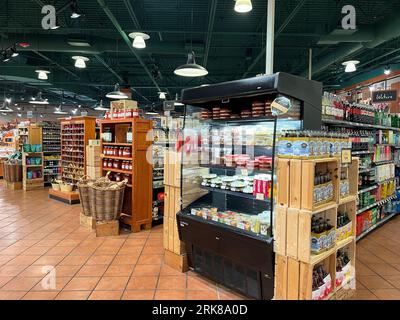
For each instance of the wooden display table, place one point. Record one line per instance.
(66, 197)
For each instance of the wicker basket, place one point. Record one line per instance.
(12, 172)
(66, 187)
(84, 194)
(106, 199)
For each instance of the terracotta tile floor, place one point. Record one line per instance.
(36, 232)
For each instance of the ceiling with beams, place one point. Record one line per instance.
(230, 45)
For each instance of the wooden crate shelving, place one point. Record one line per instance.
(294, 261)
(137, 207)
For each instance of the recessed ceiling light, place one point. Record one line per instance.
(191, 68)
(350, 65)
(139, 39)
(80, 61)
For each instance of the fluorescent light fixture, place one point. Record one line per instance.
(387, 70)
(42, 74)
(243, 6)
(80, 61)
(100, 107)
(191, 68)
(151, 113)
(78, 43)
(117, 94)
(139, 39)
(350, 65)
(162, 95)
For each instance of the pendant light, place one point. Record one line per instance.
(59, 110)
(191, 68)
(243, 6)
(117, 94)
(5, 108)
(56, 25)
(38, 99)
(80, 61)
(100, 107)
(75, 11)
(14, 51)
(350, 65)
(162, 95)
(139, 39)
(387, 70)
(42, 74)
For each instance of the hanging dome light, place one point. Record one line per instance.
(80, 61)
(6, 108)
(387, 70)
(243, 6)
(117, 94)
(56, 25)
(139, 39)
(42, 74)
(100, 107)
(191, 68)
(75, 11)
(59, 110)
(162, 95)
(14, 51)
(38, 99)
(350, 65)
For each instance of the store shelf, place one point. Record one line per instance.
(235, 193)
(215, 166)
(367, 189)
(361, 152)
(32, 165)
(381, 222)
(317, 258)
(116, 158)
(358, 125)
(379, 203)
(117, 144)
(347, 199)
(117, 170)
(366, 170)
(378, 163)
(345, 242)
(385, 181)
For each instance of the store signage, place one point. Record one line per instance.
(169, 105)
(384, 96)
(349, 20)
(49, 20)
(29, 114)
(346, 156)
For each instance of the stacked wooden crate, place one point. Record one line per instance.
(93, 152)
(294, 262)
(175, 254)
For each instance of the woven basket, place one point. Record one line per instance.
(12, 172)
(84, 194)
(106, 199)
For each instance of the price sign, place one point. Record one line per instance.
(260, 196)
(346, 156)
(29, 114)
(384, 96)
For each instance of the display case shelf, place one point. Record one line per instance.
(235, 193)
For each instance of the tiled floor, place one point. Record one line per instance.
(37, 233)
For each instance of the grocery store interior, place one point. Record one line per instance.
(199, 150)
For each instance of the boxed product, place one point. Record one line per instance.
(93, 156)
(344, 232)
(93, 172)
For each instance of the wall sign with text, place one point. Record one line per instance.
(384, 96)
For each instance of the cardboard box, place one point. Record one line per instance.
(93, 156)
(93, 172)
(94, 143)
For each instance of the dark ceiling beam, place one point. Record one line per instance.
(105, 64)
(132, 14)
(40, 3)
(126, 39)
(211, 19)
(285, 23)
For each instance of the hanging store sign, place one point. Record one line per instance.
(384, 96)
(29, 114)
(169, 105)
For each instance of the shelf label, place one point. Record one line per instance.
(245, 172)
(260, 196)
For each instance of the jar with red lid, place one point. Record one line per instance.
(110, 163)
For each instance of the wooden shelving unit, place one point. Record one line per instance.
(51, 133)
(32, 171)
(138, 194)
(75, 134)
(295, 260)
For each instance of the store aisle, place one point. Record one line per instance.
(378, 263)
(36, 231)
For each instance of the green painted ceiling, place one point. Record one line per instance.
(231, 44)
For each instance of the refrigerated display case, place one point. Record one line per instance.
(229, 178)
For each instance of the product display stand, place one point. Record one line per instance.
(125, 159)
(75, 134)
(299, 251)
(32, 159)
(51, 151)
(175, 253)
